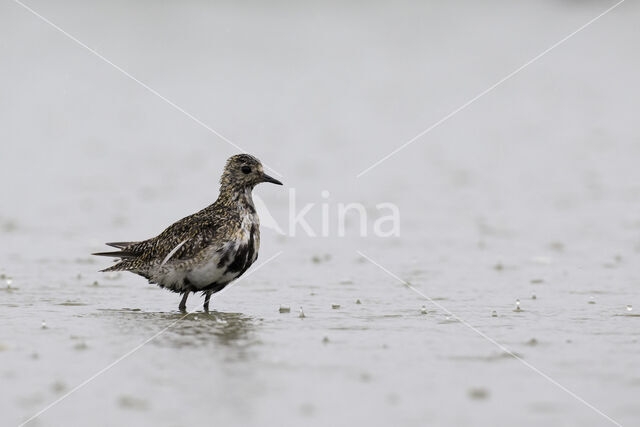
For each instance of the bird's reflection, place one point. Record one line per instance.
(230, 330)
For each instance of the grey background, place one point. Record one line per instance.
(532, 190)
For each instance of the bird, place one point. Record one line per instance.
(207, 250)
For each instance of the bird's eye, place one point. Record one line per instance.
(246, 170)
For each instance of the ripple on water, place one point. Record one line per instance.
(71, 303)
(493, 357)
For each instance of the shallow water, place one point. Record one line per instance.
(531, 194)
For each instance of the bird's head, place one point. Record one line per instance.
(244, 171)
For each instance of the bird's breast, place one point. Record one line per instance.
(226, 263)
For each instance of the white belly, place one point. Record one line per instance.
(203, 275)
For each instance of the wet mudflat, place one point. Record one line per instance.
(520, 216)
(378, 361)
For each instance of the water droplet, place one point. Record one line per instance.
(494, 313)
(517, 305)
(358, 301)
(301, 315)
(9, 282)
(44, 325)
(629, 307)
(592, 300)
(195, 317)
(423, 310)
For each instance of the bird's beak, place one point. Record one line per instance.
(267, 178)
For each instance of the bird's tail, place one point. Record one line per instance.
(126, 253)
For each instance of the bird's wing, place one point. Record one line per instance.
(181, 241)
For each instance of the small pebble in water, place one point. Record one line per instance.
(81, 346)
(44, 325)
(557, 246)
(284, 309)
(95, 283)
(592, 300)
(195, 317)
(358, 301)
(365, 376)
(325, 340)
(494, 313)
(301, 315)
(423, 310)
(533, 296)
(58, 387)
(335, 306)
(629, 307)
(478, 393)
(498, 267)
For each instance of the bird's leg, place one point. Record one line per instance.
(207, 297)
(183, 304)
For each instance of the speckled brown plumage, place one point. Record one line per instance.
(209, 249)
